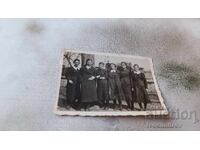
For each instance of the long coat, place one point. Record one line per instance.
(115, 86)
(140, 86)
(126, 83)
(73, 89)
(102, 84)
(88, 87)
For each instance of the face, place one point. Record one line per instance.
(123, 65)
(101, 66)
(89, 62)
(76, 63)
(112, 66)
(136, 67)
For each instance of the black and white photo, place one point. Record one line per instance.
(105, 84)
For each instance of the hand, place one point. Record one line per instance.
(70, 81)
(98, 76)
(102, 78)
(91, 78)
(132, 89)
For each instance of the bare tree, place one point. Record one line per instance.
(69, 55)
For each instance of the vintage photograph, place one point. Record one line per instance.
(105, 84)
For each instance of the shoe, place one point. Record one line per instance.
(105, 108)
(120, 108)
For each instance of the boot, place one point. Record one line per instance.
(114, 104)
(120, 104)
(141, 107)
(145, 106)
(106, 105)
(132, 105)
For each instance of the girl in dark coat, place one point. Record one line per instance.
(73, 84)
(116, 93)
(88, 85)
(140, 86)
(102, 86)
(126, 84)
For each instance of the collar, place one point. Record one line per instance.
(76, 68)
(88, 67)
(137, 72)
(112, 70)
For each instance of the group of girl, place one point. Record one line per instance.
(88, 86)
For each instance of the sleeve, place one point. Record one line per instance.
(118, 74)
(81, 74)
(145, 80)
(67, 73)
(97, 72)
(106, 74)
(94, 72)
(85, 75)
(131, 75)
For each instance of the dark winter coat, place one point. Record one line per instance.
(88, 87)
(73, 89)
(140, 86)
(102, 84)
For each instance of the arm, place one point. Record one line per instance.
(68, 76)
(145, 81)
(67, 73)
(97, 73)
(131, 76)
(106, 74)
(92, 74)
(85, 74)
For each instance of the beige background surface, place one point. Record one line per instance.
(29, 58)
